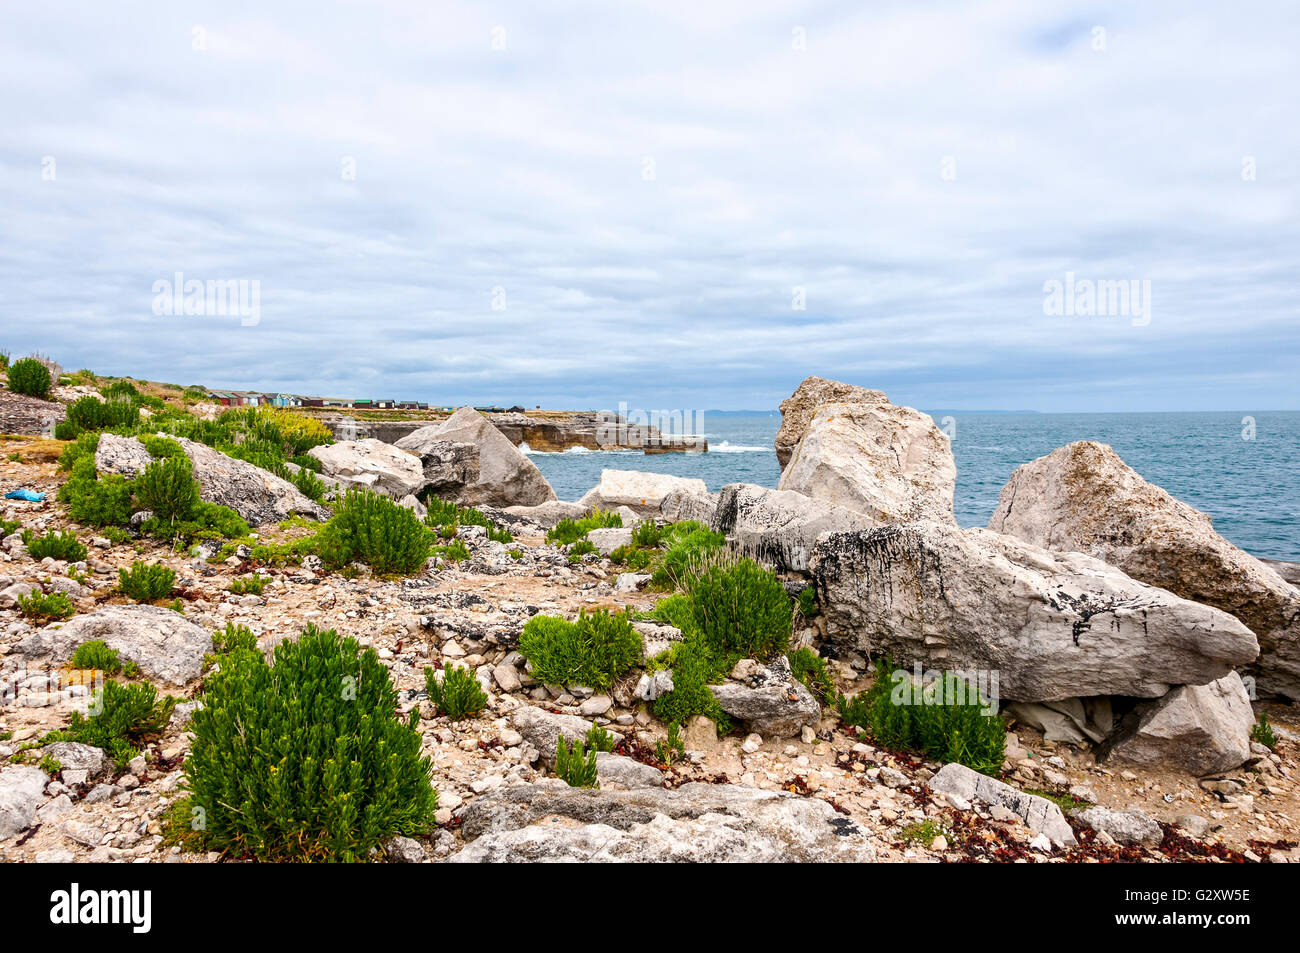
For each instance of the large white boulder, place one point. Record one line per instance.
(1199, 729)
(371, 464)
(166, 645)
(643, 493)
(798, 409)
(1051, 625)
(887, 462)
(779, 526)
(505, 476)
(1084, 497)
(255, 494)
(22, 791)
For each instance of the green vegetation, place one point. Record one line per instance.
(124, 716)
(687, 551)
(456, 551)
(234, 637)
(811, 669)
(806, 602)
(248, 585)
(29, 376)
(635, 560)
(598, 739)
(945, 719)
(576, 766)
(92, 414)
(1262, 732)
(922, 832)
(39, 606)
(583, 547)
(593, 650)
(62, 546)
(50, 765)
(567, 531)
(305, 759)
(673, 748)
(168, 489)
(370, 528)
(84, 445)
(457, 693)
(97, 655)
(694, 667)
(739, 607)
(146, 583)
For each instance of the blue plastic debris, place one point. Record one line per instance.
(30, 496)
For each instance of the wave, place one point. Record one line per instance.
(529, 451)
(726, 447)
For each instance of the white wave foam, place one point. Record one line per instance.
(726, 447)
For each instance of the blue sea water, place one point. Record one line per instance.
(1251, 488)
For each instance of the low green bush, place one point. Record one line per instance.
(162, 447)
(456, 551)
(457, 694)
(598, 739)
(93, 500)
(304, 759)
(694, 668)
(168, 489)
(38, 605)
(576, 766)
(583, 547)
(234, 637)
(122, 717)
(248, 585)
(685, 553)
(97, 655)
(740, 608)
(593, 650)
(806, 602)
(811, 669)
(370, 528)
(634, 559)
(62, 546)
(146, 583)
(945, 720)
(29, 376)
(84, 445)
(308, 484)
(569, 531)
(91, 413)
(1262, 732)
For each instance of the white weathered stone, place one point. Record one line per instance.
(1123, 827)
(1039, 814)
(22, 791)
(166, 645)
(643, 493)
(798, 409)
(1083, 497)
(370, 464)
(889, 463)
(505, 476)
(609, 539)
(1200, 729)
(779, 526)
(1050, 625)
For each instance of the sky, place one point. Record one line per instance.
(670, 204)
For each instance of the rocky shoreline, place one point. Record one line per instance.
(1125, 690)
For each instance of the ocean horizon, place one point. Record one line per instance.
(1238, 467)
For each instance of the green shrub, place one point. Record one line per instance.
(232, 638)
(96, 501)
(305, 759)
(457, 694)
(168, 489)
(634, 559)
(370, 528)
(1262, 732)
(248, 585)
(308, 484)
(740, 608)
(806, 602)
(583, 547)
(124, 716)
(684, 556)
(38, 605)
(672, 748)
(97, 655)
(206, 521)
(59, 545)
(144, 582)
(941, 720)
(29, 376)
(567, 531)
(811, 669)
(694, 669)
(162, 447)
(440, 513)
(674, 610)
(647, 535)
(65, 430)
(593, 650)
(598, 739)
(91, 413)
(576, 766)
(456, 551)
(84, 445)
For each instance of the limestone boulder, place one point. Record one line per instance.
(695, 823)
(167, 646)
(1084, 497)
(505, 476)
(22, 791)
(770, 701)
(643, 493)
(255, 494)
(779, 526)
(681, 505)
(372, 465)
(886, 462)
(1051, 626)
(1198, 729)
(798, 409)
(1039, 814)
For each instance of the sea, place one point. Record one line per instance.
(1243, 469)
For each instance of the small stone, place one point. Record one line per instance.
(752, 743)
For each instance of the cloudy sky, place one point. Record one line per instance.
(677, 204)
